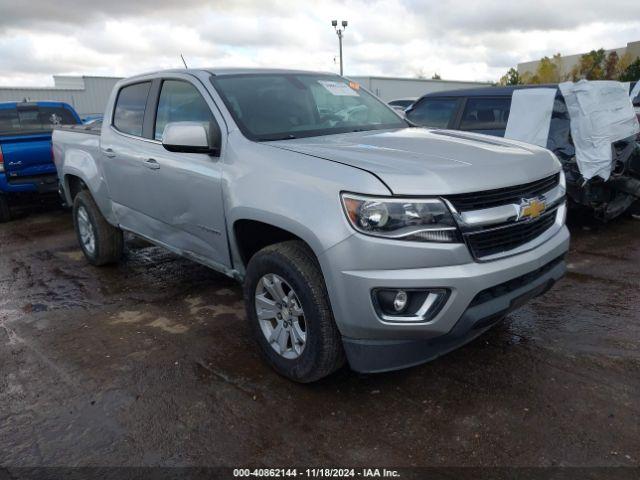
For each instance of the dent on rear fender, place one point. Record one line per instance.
(82, 165)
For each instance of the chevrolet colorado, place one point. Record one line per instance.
(357, 237)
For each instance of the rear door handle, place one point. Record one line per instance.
(152, 164)
(108, 152)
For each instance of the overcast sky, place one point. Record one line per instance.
(470, 40)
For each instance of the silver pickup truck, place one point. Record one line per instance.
(357, 236)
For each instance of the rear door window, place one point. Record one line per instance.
(486, 114)
(434, 112)
(181, 102)
(130, 106)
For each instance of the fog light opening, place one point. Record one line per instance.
(409, 305)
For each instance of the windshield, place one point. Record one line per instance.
(33, 118)
(285, 106)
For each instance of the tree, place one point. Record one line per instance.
(436, 76)
(611, 66)
(592, 65)
(595, 65)
(623, 64)
(549, 70)
(512, 77)
(631, 73)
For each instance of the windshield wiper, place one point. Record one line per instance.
(288, 136)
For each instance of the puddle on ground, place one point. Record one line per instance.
(129, 316)
(167, 325)
(163, 323)
(75, 255)
(196, 306)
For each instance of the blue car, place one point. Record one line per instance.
(26, 161)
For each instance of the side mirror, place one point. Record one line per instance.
(189, 137)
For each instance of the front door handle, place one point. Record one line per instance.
(108, 152)
(152, 164)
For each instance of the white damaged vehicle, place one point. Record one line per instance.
(590, 126)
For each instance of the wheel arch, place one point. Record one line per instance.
(249, 233)
(75, 181)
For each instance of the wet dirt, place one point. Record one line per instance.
(150, 363)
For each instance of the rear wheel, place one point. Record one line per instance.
(101, 242)
(289, 313)
(5, 214)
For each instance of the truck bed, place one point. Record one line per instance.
(92, 129)
(73, 143)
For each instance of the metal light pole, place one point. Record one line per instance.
(339, 31)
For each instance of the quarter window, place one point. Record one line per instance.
(129, 112)
(436, 112)
(181, 102)
(486, 114)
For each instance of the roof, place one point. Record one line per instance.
(36, 103)
(239, 71)
(234, 71)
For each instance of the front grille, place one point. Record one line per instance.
(503, 239)
(501, 196)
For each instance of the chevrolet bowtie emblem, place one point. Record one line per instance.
(531, 208)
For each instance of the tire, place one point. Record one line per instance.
(5, 213)
(295, 264)
(108, 241)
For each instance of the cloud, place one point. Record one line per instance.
(541, 15)
(468, 40)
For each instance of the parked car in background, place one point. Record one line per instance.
(401, 104)
(634, 94)
(487, 110)
(26, 162)
(355, 235)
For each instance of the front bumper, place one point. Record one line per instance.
(374, 345)
(384, 355)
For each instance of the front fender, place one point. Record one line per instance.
(292, 191)
(274, 219)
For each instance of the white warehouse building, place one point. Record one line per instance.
(395, 88)
(89, 95)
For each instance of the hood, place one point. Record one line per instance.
(418, 161)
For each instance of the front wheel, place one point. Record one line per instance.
(101, 242)
(289, 313)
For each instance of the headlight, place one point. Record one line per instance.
(415, 220)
